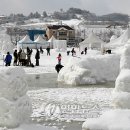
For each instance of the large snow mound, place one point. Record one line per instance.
(121, 100)
(112, 120)
(123, 81)
(121, 94)
(116, 119)
(15, 105)
(90, 69)
(13, 83)
(125, 58)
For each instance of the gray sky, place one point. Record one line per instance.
(96, 6)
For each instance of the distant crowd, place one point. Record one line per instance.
(23, 58)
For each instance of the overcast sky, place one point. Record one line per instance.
(98, 7)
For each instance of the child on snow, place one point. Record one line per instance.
(59, 58)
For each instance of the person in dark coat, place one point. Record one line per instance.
(58, 67)
(41, 50)
(29, 53)
(48, 51)
(15, 57)
(73, 52)
(85, 50)
(37, 57)
(8, 59)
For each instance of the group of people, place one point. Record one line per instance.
(72, 51)
(22, 58)
(85, 51)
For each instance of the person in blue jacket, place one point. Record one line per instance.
(8, 59)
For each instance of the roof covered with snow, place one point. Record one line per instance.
(56, 27)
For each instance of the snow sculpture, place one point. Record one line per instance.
(90, 70)
(122, 85)
(118, 118)
(15, 105)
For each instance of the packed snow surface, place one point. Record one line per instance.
(111, 120)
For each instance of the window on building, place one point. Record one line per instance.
(63, 33)
(62, 38)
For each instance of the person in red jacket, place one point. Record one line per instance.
(59, 58)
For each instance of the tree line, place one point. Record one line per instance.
(71, 13)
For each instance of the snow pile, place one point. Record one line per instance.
(121, 41)
(15, 104)
(90, 70)
(122, 85)
(116, 119)
(112, 120)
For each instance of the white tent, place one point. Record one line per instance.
(121, 41)
(92, 41)
(60, 45)
(40, 42)
(26, 42)
(51, 41)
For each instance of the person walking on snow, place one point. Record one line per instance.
(73, 52)
(59, 58)
(48, 51)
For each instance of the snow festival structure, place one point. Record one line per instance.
(60, 45)
(90, 70)
(26, 42)
(121, 41)
(51, 41)
(40, 42)
(119, 118)
(15, 107)
(91, 42)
